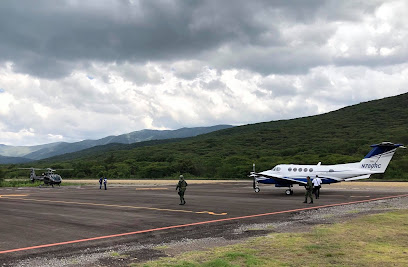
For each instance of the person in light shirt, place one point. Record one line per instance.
(105, 182)
(316, 186)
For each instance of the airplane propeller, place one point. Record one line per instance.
(253, 175)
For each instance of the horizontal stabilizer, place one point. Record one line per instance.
(358, 178)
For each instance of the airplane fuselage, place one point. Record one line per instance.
(292, 173)
(286, 175)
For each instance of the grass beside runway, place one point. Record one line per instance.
(19, 183)
(373, 240)
(150, 181)
(140, 182)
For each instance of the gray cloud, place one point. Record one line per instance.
(280, 86)
(42, 34)
(49, 39)
(70, 68)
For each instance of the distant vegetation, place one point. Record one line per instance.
(336, 137)
(19, 183)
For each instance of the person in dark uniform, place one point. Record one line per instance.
(181, 186)
(309, 189)
(100, 182)
(105, 181)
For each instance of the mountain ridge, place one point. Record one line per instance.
(38, 152)
(340, 136)
(336, 137)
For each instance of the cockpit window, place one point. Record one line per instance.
(278, 169)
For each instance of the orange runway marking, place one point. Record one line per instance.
(194, 224)
(13, 195)
(116, 206)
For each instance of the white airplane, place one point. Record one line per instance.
(286, 175)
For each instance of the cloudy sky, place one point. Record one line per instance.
(73, 70)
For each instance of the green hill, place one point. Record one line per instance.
(336, 137)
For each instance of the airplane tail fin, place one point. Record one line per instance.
(379, 157)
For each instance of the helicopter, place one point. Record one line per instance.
(49, 177)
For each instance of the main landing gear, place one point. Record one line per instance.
(289, 192)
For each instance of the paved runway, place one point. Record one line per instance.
(69, 219)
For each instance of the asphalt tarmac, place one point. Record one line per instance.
(71, 220)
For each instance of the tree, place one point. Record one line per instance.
(2, 174)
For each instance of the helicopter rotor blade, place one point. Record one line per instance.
(45, 169)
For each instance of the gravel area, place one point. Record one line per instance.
(123, 255)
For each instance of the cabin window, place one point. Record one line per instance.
(294, 169)
(290, 169)
(300, 169)
(311, 170)
(331, 170)
(305, 170)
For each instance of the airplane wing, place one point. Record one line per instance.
(281, 178)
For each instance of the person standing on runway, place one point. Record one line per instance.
(308, 193)
(181, 186)
(316, 186)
